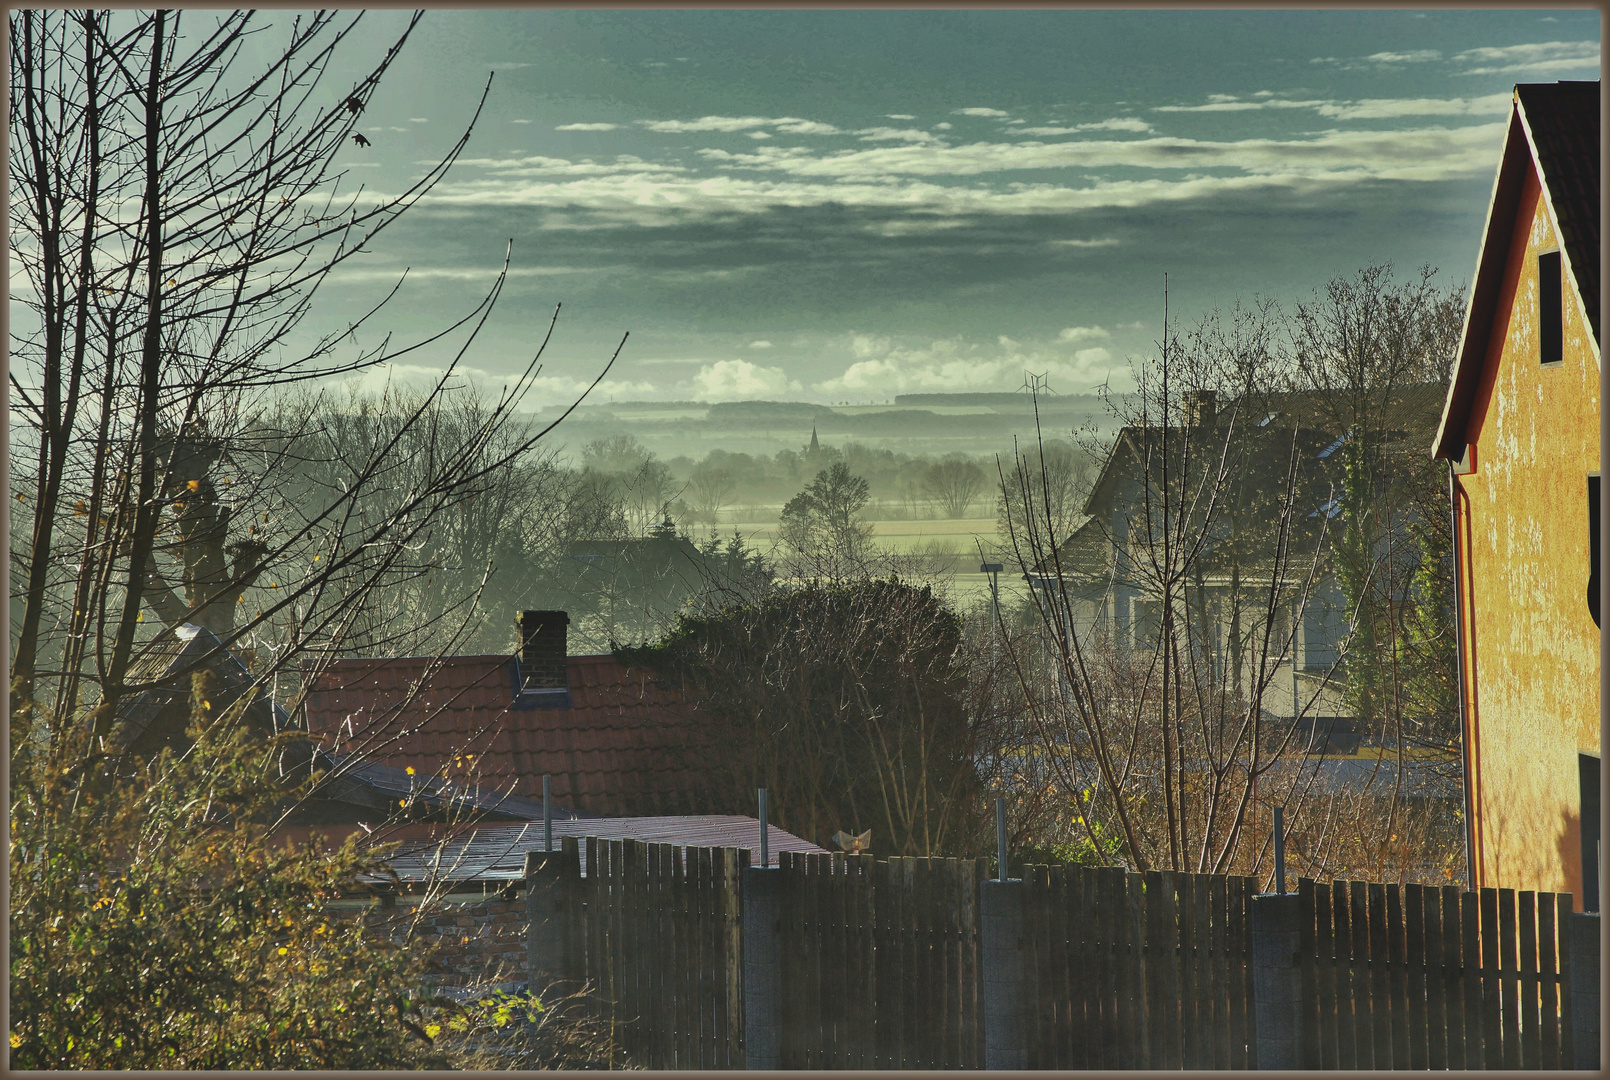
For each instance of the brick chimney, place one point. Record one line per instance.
(544, 663)
(1199, 408)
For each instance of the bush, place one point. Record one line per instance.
(154, 927)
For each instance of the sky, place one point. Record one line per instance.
(843, 206)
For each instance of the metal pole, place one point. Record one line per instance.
(1000, 837)
(765, 855)
(1280, 851)
(1459, 682)
(547, 812)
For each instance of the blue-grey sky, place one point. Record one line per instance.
(848, 205)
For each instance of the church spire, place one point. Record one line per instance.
(815, 446)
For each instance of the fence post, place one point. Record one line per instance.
(762, 973)
(1276, 979)
(546, 929)
(1583, 942)
(1002, 935)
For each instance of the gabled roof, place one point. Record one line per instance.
(624, 747)
(1554, 130)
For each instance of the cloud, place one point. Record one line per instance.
(760, 134)
(923, 187)
(1121, 123)
(1413, 56)
(1101, 242)
(418, 120)
(586, 127)
(1380, 59)
(519, 121)
(760, 344)
(1540, 57)
(1073, 334)
(898, 116)
(791, 125)
(738, 380)
(979, 111)
(1365, 109)
(884, 367)
(889, 134)
(943, 126)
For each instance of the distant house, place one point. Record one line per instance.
(1107, 565)
(613, 740)
(1521, 427)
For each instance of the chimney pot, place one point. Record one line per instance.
(1199, 408)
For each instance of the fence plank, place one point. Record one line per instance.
(1470, 958)
(1548, 989)
(1135, 1031)
(1325, 974)
(1492, 1019)
(911, 1050)
(1562, 954)
(1414, 957)
(1307, 973)
(1102, 948)
(1397, 976)
(1362, 1030)
(1530, 1022)
(1380, 993)
(1453, 1000)
(885, 962)
(946, 893)
(1190, 992)
(1244, 1049)
(1219, 986)
(1436, 983)
(1509, 982)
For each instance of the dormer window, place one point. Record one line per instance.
(1550, 310)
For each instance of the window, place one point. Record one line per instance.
(1593, 547)
(1550, 313)
(1588, 775)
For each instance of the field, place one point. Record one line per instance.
(952, 547)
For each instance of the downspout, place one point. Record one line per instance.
(1459, 682)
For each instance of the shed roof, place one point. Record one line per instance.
(623, 747)
(1553, 130)
(497, 853)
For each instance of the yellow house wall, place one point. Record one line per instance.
(1532, 650)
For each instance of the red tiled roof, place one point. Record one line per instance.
(623, 748)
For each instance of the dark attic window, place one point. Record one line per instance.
(1550, 313)
(1593, 547)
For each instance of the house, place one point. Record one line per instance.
(350, 789)
(1107, 564)
(1520, 428)
(613, 740)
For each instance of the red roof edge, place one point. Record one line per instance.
(1484, 289)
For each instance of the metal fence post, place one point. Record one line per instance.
(1276, 983)
(1002, 935)
(763, 982)
(1585, 1022)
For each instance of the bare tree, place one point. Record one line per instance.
(954, 483)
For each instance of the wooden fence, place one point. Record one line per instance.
(1406, 977)
(655, 931)
(880, 962)
(1138, 971)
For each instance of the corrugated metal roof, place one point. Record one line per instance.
(624, 747)
(497, 852)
